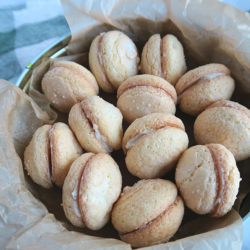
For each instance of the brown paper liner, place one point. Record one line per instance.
(210, 32)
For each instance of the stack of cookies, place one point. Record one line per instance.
(77, 156)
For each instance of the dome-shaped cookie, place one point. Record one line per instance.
(113, 58)
(145, 94)
(164, 58)
(90, 189)
(153, 144)
(97, 125)
(208, 179)
(150, 212)
(226, 123)
(50, 153)
(202, 86)
(66, 83)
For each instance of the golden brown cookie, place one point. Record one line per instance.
(90, 189)
(226, 123)
(208, 179)
(150, 212)
(163, 57)
(113, 58)
(50, 153)
(97, 125)
(202, 86)
(145, 94)
(66, 83)
(153, 144)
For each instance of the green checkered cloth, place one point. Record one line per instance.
(26, 28)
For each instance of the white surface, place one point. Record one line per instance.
(246, 237)
(241, 4)
(35, 9)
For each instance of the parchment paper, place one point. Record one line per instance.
(210, 31)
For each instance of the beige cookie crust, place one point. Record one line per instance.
(148, 213)
(37, 157)
(113, 58)
(90, 189)
(147, 145)
(208, 179)
(192, 76)
(99, 189)
(144, 94)
(156, 121)
(50, 153)
(202, 86)
(66, 83)
(226, 123)
(64, 150)
(151, 56)
(97, 125)
(70, 190)
(164, 58)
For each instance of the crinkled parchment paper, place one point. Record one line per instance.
(30, 216)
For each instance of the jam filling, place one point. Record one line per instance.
(161, 56)
(50, 146)
(80, 180)
(100, 60)
(153, 220)
(201, 80)
(220, 181)
(138, 136)
(144, 85)
(232, 106)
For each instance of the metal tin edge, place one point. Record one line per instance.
(55, 49)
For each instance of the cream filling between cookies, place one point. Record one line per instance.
(211, 76)
(232, 106)
(137, 137)
(101, 138)
(161, 60)
(75, 198)
(133, 140)
(138, 86)
(75, 193)
(100, 60)
(220, 181)
(50, 149)
(200, 80)
(96, 130)
(154, 219)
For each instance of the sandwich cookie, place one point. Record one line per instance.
(202, 86)
(208, 179)
(66, 83)
(97, 125)
(50, 153)
(145, 94)
(164, 58)
(113, 58)
(90, 189)
(153, 144)
(227, 123)
(150, 212)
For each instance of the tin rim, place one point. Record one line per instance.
(54, 50)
